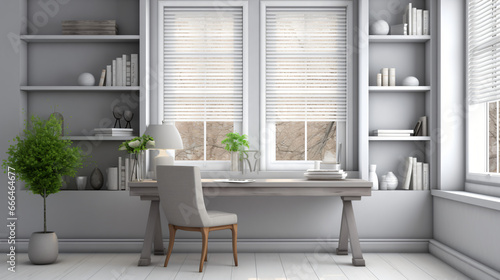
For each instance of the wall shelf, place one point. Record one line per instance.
(409, 138)
(99, 138)
(399, 38)
(80, 38)
(399, 89)
(78, 88)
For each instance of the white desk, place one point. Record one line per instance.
(348, 190)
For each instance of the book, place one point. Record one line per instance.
(413, 21)
(119, 72)
(134, 69)
(114, 72)
(127, 173)
(419, 176)
(103, 76)
(109, 76)
(392, 77)
(88, 32)
(425, 22)
(394, 131)
(124, 69)
(379, 79)
(407, 18)
(111, 22)
(399, 29)
(385, 77)
(128, 73)
(423, 129)
(417, 129)
(408, 170)
(120, 173)
(414, 173)
(393, 135)
(419, 21)
(425, 176)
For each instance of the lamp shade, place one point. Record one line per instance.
(166, 136)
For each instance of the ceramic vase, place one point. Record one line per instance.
(138, 160)
(235, 161)
(392, 181)
(43, 248)
(96, 179)
(383, 183)
(379, 27)
(372, 176)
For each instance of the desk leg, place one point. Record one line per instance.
(150, 231)
(344, 236)
(348, 213)
(159, 249)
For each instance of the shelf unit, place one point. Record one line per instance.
(51, 64)
(396, 107)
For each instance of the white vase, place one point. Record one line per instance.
(392, 181)
(235, 161)
(379, 27)
(43, 248)
(372, 176)
(383, 183)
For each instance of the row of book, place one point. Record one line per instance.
(113, 131)
(415, 22)
(123, 71)
(89, 27)
(416, 175)
(386, 77)
(419, 130)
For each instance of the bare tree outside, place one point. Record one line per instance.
(192, 138)
(493, 136)
(216, 132)
(321, 137)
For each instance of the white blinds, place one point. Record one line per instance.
(484, 51)
(203, 63)
(306, 64)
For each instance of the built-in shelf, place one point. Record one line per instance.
(399, 89)
(399, 38)
(399, 138)
(77, 88)
(80, 38)
(99, 138)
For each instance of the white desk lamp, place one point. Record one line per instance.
(166, 136)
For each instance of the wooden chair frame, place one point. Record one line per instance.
(204, 234)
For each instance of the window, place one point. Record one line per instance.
(203, 74)
(483, 85)
(304, 81)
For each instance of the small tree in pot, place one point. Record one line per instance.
(235, 143)
(40, 158)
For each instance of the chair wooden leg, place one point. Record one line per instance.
(172, 230)
(234, 230)
(204, 237)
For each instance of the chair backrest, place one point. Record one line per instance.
(181, 195)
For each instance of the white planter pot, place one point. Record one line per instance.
(43, 248)
(235, 161)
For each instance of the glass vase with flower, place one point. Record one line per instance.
(137, 147)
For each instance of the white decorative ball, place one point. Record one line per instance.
(380, 27)
(410, 81)
(86, 79)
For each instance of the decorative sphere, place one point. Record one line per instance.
(410, 81)
(86, 79)
(380, 27)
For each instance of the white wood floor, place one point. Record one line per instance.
(261, 266)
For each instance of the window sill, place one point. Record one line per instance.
(480, 200)
(263, 174)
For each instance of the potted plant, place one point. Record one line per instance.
(235, 144)
(40, 158)
(137, 146)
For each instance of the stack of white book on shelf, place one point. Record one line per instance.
(113, 131)
(393, 132)
(416, 176)
(122, 72)
(325, 174)
(415, 22)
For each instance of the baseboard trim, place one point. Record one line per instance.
(461, 262)
(244, 245)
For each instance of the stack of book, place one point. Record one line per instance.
(113, 131)
(325, 174)
(386, 77)
(89, 27)
(415, 22)
(421, 127)
(393, 132)
(122, 72)
(416, 175)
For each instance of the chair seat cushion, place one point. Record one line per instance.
(219, 218)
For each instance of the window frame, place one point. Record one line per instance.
(241, 128)
(477, 121)
(345, 130)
